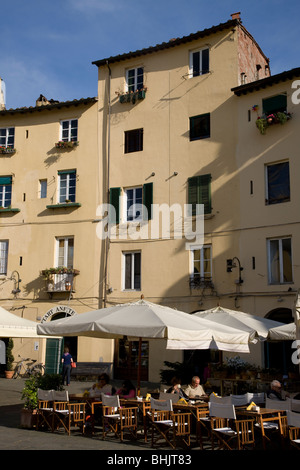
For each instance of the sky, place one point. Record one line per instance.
(48, 46)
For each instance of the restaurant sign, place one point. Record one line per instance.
(59, 309)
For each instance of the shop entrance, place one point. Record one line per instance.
(126, 359)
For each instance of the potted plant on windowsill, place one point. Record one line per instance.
(9, 372)
(265, 121)
(66, 145)
(6, 150)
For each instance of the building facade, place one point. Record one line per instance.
(50, 182)
(115, 201)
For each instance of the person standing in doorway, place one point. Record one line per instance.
(66, 369)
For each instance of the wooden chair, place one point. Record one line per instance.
(66, 414)
(170, 426)
(45, 409)
(285, 405)
(118, 420)
(221, 400)
(174, 397)
(293, 420)
(239, 400)
(258, 398)
(202, 424)
(230, 432)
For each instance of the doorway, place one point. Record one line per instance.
(278, 354)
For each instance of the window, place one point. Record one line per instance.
(275, 104)
(277, 183)
(134, 204)
(7, 137)
(67, 186)
(200, 127)
(64, 252)
(132, 201)
(132, 271)
(199, 62)
(3, 256)
(201, 266)
(69, 130)
(134, 140)
(42, 189)
(135, 79)
(199, 192)
(5, 191)
(280, 260)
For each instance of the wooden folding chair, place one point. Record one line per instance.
(67, 415)
(203, 423)
(45, 409)
(239, 400)
(230, 432)
(118, 420)
(169, 425)
(293, 420)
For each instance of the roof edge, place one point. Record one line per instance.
(49, 107)
(172, 43)
(265, 82)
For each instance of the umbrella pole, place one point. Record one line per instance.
(139, 368)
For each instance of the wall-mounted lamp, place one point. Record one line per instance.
(175, 173)
(231, 264)
(15, 276)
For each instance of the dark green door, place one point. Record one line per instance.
(54, 348)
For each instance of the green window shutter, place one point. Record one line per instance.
(205, 192)
(114, 200)
(5, 180)
(66, 172)
(148, 199)
(199, 192)
(193, 193)
(275, 104)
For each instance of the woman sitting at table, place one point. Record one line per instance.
(127, 390)
(102, 386)
(176, 388)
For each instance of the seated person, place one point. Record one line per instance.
(195, 390)
(102, 386)
(176, 388)
(276, 392)
(127, 390)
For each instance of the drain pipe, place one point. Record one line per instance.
(108, 183)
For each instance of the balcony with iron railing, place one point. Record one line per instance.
(200, 282)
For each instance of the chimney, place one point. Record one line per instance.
(2, 95)
(42, 101)
(236, 16)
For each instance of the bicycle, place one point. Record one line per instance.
(30, 368)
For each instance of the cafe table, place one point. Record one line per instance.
(263, 415)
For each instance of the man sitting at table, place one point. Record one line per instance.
(195, 390)
(276, 392)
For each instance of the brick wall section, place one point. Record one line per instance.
(252, 61)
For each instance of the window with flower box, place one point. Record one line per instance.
(7, 140)
(68, 134)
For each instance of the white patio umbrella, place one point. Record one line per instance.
(145, 320)
(12, 326)
(241, 320)
(285, 332)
